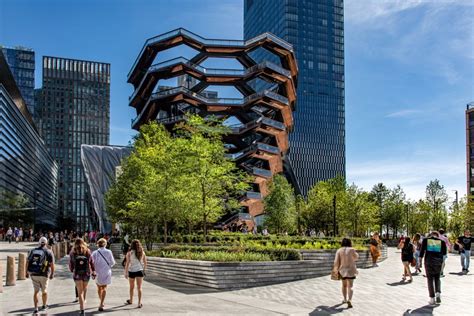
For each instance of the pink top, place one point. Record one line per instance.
(345, 262)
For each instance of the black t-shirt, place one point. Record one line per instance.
(407, 252)
(466, 242)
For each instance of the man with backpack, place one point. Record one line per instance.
(40, 268)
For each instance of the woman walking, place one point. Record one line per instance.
(417, 245)
(375, 248)
(82, 267)
(345, 265)
(135, 266)
(407, 258)
(103, 260)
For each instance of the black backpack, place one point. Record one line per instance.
(37, 262)
(81, 264)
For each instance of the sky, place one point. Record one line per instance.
(409, 71)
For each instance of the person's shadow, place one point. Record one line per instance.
(424, 310)
(327, 310)
(398, 283)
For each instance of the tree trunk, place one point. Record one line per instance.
(205, 227)
(165, 230)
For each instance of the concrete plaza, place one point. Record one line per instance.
(377, 291)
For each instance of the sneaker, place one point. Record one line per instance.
(82, 312)
(438, 298)
(349, 304)
(76, 300)
(432, 301)
(44, 307)
(35, 311)
(344, 301)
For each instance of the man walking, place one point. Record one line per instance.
(464, 243)
(40, 267)
(435, 250)
(444, 238)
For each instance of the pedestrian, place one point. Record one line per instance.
(265, 231)
(444, 238)
(9, 235)
(407, 259)
(20, 234)
(345, 267)
(82, 267)
(125, 248)
(135, 266)
(464, 246)
(433, 250)
(40, 268)
(103, 260)
(16, 232)
(375, 248)
(417, 244)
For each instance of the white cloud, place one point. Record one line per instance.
(412, 175)
(357, 11)
(403, 113)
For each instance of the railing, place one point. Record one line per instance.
(273, 123)
(223, 101)
(262, 172)
(214, 42)
(268, 148)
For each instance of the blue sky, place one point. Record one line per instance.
(409, 71)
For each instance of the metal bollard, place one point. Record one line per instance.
(10, 271)
(21, 266)
(1, 278)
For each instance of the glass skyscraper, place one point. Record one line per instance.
(21, 61)
(74, 109)
(315, 28)
(26, 167)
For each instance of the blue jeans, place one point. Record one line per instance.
(418, 260)
(465, 258)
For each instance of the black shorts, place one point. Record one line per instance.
(133, 275)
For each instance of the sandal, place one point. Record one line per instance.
(128, 302)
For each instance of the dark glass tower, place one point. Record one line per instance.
(74, 109)
(26, 167)
(21, 61)
(315, 28)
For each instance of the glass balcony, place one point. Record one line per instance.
(268, 148)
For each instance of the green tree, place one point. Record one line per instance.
(379, 195)
(280, 206)
(437, 197)
(319, 209)
(457, 219)
(14, 210)
(358, 215)
(214, 180)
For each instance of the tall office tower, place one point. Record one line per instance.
(21, 61)
(26, 167)
(470, 148)
(315, 28)
(74, 110)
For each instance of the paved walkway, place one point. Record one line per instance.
(377, 292)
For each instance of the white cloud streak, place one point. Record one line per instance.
(403, 114)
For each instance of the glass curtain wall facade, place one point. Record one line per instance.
(470, 148)
(315, 28)
(26, 167)
(74, 109)
(22, 65)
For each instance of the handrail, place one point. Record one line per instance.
(211, 71)
(224, 101)
(212, 42)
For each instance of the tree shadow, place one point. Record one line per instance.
(458, 273)
(398, 283)
(327, 310)
(424, 310)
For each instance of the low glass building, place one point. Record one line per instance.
(26, 167)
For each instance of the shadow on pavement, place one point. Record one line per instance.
(327, 310)
(457, 273)
(424, 310)
(183, 288)
(398, 283)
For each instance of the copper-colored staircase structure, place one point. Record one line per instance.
(257, 145)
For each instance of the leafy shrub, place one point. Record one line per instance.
(218, 256)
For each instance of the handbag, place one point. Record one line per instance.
(335, 275)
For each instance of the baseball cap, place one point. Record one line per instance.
(43, 241)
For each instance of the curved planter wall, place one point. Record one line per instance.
(235, 275)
